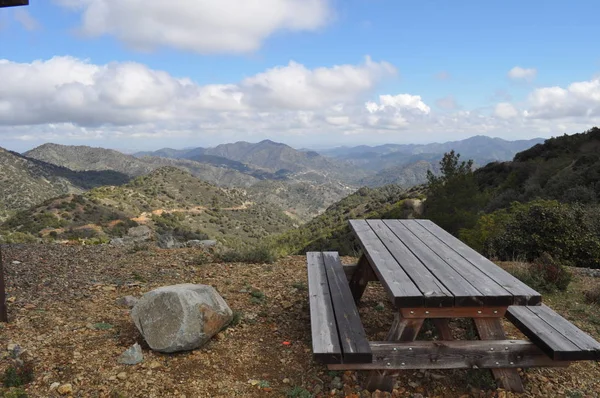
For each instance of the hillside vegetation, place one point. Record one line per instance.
(544, 202)
(170, 201)
(25, 182)
(331, 230)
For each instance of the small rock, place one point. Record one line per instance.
(436, 376)
(122, 376)
(54, 386)
(117, 242)
(413, 384)
(127, 301)
(336, 384)
(65, 389)
(112, 378)
(155, 365)
(132, 356)
(16, 262)
(286, 381)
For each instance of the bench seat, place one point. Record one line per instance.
(337, 332)
(557, 337)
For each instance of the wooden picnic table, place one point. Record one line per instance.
(429, 274)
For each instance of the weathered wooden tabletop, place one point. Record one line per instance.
(422, 265)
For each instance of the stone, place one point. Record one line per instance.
(155, 365)
(193, 243)
(117, 242)
(54, 386)
(208, 243)
(167, 241)
(140, 233)
(132, 356)
(65, 389)
(16, 262)
(122, 376)
(336, 384)
(180, 317)
(127, 301)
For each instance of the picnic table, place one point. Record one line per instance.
(429, 274)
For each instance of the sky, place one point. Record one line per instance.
(141, 75)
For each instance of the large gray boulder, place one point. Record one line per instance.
(180, 317)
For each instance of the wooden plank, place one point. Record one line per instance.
(550, 340)
(349, 270)
(401, 289)
(523, 294)
(325, 337)
(495, 295)
(434, 292)
(454, 312)
(355, 346)
(362, 276)
(405, 330)
(464, 293)
(460, 354)
(571, 332)
(443, 327)
(491, 329)
(13, 3)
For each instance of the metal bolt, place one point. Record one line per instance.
(506, 348)
(412, 312)
(389, 364)
(409, 348)
(492, 349)
(403, 364)
(495, 311)
(512, 363)
(479, 312)
(395, 349)
(427, 312)
(497, 363)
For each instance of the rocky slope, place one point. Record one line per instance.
(25, 182)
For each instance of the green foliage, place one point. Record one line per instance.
(298, 392)
(15, 392)
(544, 274)
(16, 237)
(18, 375)
(526, 231)
(23, 221)
(454, 199)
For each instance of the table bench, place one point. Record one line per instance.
(429, 274)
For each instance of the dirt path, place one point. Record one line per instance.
(147, 216)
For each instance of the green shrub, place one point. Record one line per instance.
(18, 375)
(544, 274)
(567, 232)
(592, 295)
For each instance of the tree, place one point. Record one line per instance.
(453, 199)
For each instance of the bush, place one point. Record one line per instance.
(568, 233)
(544, 274)
(592, 295)
(18, 375)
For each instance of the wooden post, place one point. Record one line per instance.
(362, 276)
(491, 329)
(3, 312)
(402, 330)
(12, 3)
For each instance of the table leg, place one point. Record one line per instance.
(443, 327)
(491, 329)
(402, 329)
(362, 276)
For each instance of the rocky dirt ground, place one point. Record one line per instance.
(63, 311)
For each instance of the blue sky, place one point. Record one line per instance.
(212, 71)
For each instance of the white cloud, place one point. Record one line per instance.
(66, 99)
(505, 110)
(28, 22)
(579, 99)
(207, 26)
(297, 87)
(523, 74)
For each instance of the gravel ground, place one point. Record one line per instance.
(63, 311)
